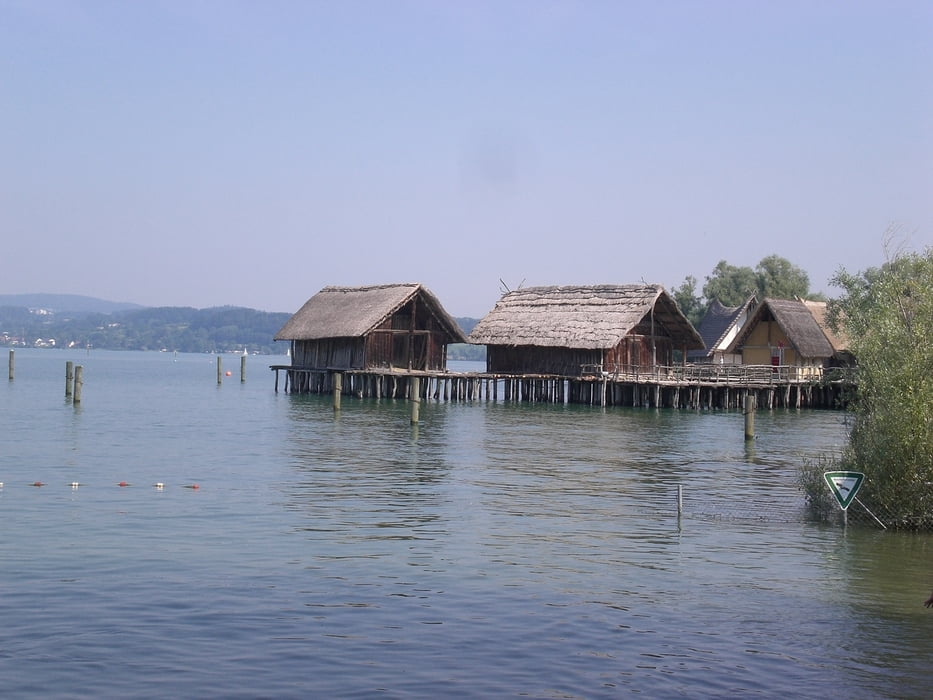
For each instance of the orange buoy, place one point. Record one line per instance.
(37, 483)
(228, 373)
(122, 483)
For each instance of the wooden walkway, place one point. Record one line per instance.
(689, 387)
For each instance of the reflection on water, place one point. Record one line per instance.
(493, 550)
(559, 524)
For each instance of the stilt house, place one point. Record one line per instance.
(783, 333)
(571, 330)
(392, 326)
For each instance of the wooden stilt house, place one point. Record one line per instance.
(392, 326)
(571, 330)
(784, 333)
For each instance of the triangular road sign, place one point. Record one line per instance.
(844, 485)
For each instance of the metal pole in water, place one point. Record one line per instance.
(69, 377)
(79, 383)
(11, 363)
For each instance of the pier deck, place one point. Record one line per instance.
(690, 386)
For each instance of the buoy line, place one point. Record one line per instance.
(159, 485)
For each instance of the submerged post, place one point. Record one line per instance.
(749, 416)
(243, 367)
(415, 399)
(69, 377)
(11, 364)
(79, 383)
(338, 389)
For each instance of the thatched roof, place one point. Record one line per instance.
(717, 322)
(795, 320)
(839, 341)
(353, 312)
(583, 317)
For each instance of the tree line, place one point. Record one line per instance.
(220, 329)
(731, 285)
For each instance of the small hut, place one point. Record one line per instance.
(569, 330)
(718, 329)
(391, 326)
(783, 332)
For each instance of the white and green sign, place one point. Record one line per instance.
(844, 485)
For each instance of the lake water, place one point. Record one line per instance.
(495, 550)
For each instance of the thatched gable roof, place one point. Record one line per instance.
(717, 322)
(583, 317)
(795, 320)
(353, 312)
(839, 341)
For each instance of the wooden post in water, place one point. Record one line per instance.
(79, 383)
(749, 416)
(415, 399)
(338, 390)
(242, 368)
(69, 377)
(11, 363)
(219, 370)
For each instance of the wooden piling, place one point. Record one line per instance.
(79, 383)
(415, 399)
(242, 368)
(749, 416)
(69, 377)
(12, 353)
(219, 370)
(338, 389)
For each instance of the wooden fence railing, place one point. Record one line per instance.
(721, 374)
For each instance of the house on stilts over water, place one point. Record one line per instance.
(586, 344)
(375, 335)
(785, 342)
(574, 330)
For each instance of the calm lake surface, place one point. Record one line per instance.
(496, 550)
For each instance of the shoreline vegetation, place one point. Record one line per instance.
(63, 321)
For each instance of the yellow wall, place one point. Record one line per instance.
(764, 336)
(767, 335)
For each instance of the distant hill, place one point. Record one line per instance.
(68, 320)
(66, 303)
(462, 351)
(133, 327)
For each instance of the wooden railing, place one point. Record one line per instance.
(720, 374)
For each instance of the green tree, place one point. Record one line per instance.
(778, 278)
(729, 284)
(887, 314)
(690, 304)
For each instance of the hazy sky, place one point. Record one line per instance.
(202, 153)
